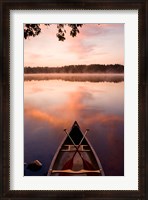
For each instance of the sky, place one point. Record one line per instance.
(95, 44)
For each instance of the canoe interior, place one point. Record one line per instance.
(66, 151)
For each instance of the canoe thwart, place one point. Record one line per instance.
(82, 171)
(72, 148)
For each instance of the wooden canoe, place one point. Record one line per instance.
(75, 159)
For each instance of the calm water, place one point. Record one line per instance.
(53, 102)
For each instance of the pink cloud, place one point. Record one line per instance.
(95, 43)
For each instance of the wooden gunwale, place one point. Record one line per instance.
(96, 157)
(55, 156)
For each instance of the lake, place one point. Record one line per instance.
(52, 102)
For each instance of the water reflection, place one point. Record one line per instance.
(76, 77)
(52, 105)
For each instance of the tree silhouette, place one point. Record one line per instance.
(92, 68)
(34, 30)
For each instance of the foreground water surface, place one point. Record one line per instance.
(53, 102)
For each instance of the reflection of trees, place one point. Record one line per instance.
(76, 78)
(93, 68)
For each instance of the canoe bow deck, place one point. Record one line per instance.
(75, 156)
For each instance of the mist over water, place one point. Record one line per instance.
(76, 77)
(53, 102)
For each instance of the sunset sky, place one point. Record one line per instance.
(95, 44)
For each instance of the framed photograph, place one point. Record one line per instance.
(74, 100)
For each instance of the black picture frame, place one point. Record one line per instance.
(6, 6)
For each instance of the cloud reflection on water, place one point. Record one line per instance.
(97, 106)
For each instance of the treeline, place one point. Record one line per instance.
(93, 68)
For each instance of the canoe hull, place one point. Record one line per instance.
(68, 161)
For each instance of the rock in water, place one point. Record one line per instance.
(35, 165)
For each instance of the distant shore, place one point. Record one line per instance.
(93, 68)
